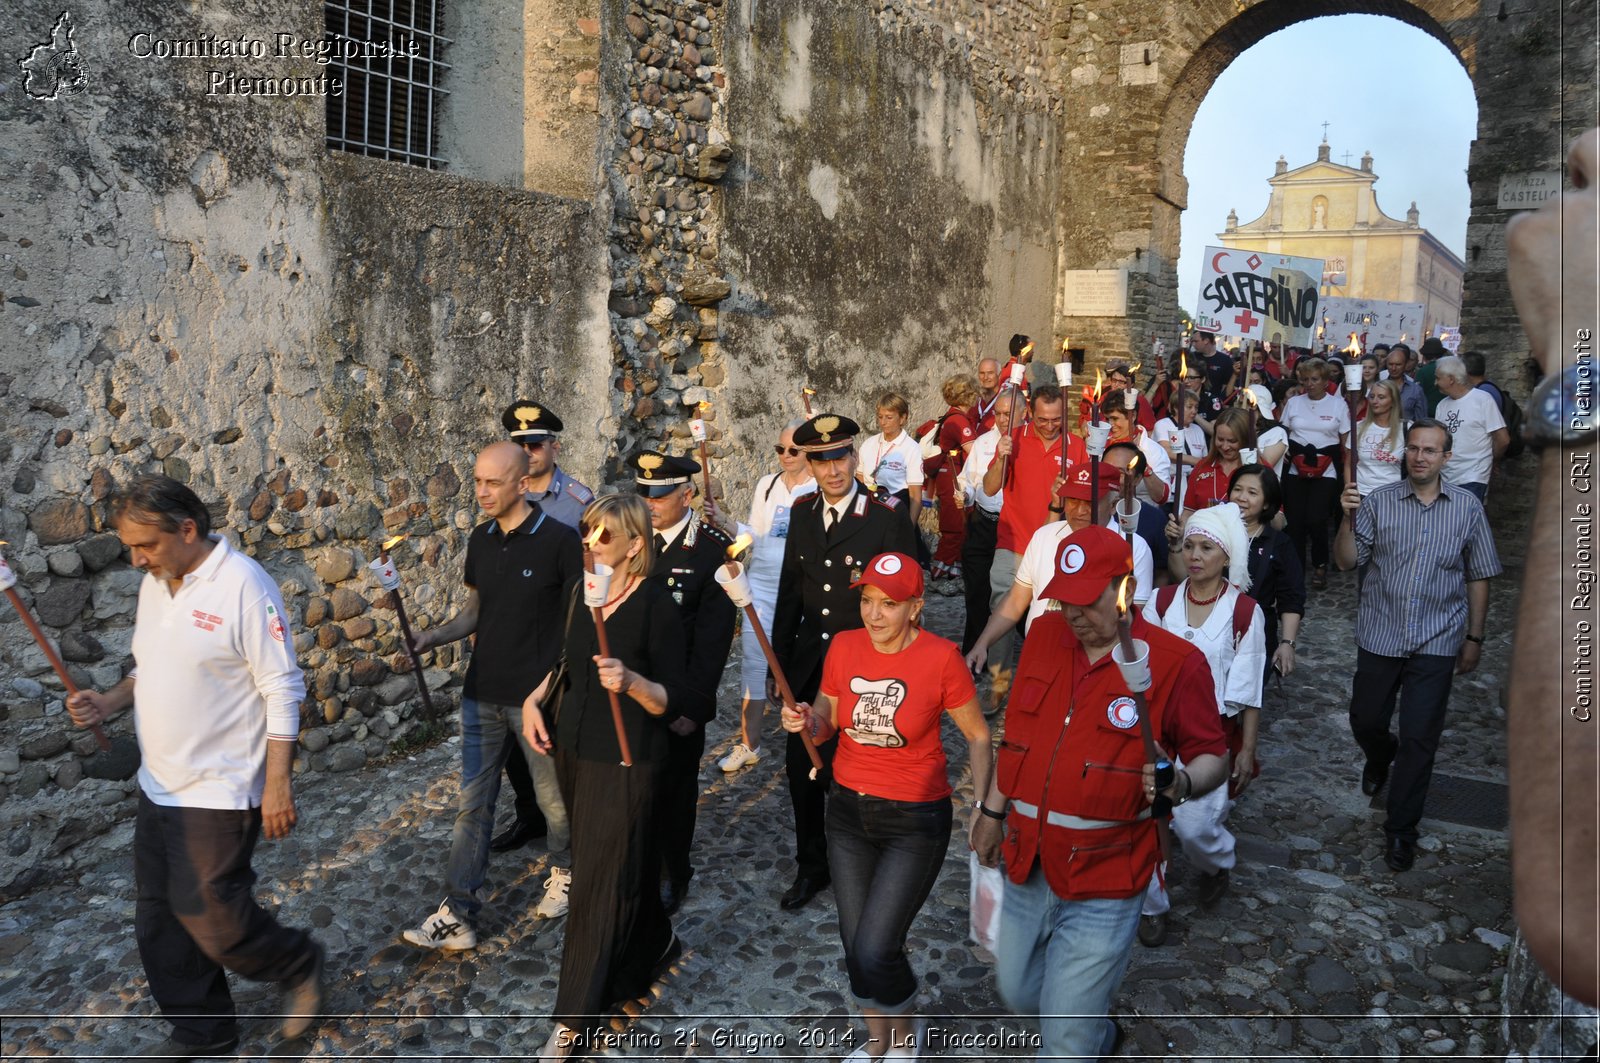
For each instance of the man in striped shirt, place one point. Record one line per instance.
(1426, 555)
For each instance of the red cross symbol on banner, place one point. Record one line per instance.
(1246, 320)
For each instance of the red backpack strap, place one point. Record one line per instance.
(1244, 608)
(1164, 596)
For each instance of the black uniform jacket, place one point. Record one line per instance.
(815, 600)
(687, 569)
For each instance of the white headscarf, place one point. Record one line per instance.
(1224, 525)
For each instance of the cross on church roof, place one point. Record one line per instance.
(1347, 158)
(1324, 132)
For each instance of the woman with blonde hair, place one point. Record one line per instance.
(1232, 435)
(1381, 442)
(954, 439)
(618, 936)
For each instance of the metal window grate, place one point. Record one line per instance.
(389, 54)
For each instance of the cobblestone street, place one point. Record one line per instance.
(1318, 950)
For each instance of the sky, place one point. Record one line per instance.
(1418, 117)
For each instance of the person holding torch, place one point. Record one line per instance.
(519, 563)
(1080, 846)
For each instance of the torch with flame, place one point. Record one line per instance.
(1353, 379)
(806, 394)
(8, 583)
(1182, 440)
(732, 578)
(596, 585)
(697, 428)
(1026, 352)
(1132, 658)
(1064, 367)
(388, 577)
(1096, 437)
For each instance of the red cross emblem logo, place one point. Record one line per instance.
(1246, 320)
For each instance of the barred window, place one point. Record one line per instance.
(390, 56)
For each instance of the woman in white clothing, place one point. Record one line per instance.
(892, 459)
(1186, 446)
(1382, 454)
(1319, 428)
(769, 527)
(1210, 609)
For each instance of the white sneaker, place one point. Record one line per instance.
(554, 904)
(740, 756)
(443, 930)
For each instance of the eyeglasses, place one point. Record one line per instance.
(534, 444)
(781, 450)
(584, 531)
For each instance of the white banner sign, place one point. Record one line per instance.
(1259, 296)
(1450, 336)
(1376, 320)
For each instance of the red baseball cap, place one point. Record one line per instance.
(898, 576)
(1089, 559)
(1080, 480)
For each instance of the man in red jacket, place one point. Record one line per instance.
(1080, 845)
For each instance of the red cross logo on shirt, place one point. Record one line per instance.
(1246, 320)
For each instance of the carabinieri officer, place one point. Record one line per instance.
(537, 430)
(687, 553)
(832, 535)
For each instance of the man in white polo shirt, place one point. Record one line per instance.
(216, 698)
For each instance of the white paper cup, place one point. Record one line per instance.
(1352, 376)
(1096, 439)
(1018, 371)
(1064, 373)
(385, 573)
(697, 428)
(8, 578)
(596, 586)
(736, 585)
(1247, 456)
(1130, 399)
(1135, 673)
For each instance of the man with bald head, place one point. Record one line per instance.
(988, 392)
(518, 563)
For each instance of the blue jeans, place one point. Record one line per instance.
(1479, 491)
(1063, 961)
(884, 856)
(489, 734)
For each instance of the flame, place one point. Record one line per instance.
(1320, 330)
(1099, 382)
(1251, 396)
(1066, 342)
(808, 390)
(1122, 596)
(592, 540)
(1133, 465)
(739, 545)
(4, 543)
(1402, 337)
(1183, 366)
(702, 408)
(392, 541)
(1355, 345)
(1027, 349)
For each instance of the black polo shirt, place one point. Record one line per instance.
(519, 578)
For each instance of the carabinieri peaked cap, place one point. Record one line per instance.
(660, 474)
(527, 420)
(827, 436)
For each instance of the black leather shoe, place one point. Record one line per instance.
(515, 836)
(797, 895)
(1400, 854)
(1373, 776)
(1153, 930)
(172, 1048)
(1212, 887)
(671, 895)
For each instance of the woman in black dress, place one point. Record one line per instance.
(618, 937)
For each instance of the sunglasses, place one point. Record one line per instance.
(534, 444)
(605, 534)
(780, 450)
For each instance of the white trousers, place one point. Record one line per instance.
(1201, 824)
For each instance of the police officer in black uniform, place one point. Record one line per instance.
(832, 535)
(536, 429)
(687, 551)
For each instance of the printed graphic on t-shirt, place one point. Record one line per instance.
(780, 523)
(274, 623)
(208, 621)
(1452, 421)
(872, 720)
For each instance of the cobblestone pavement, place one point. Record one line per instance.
(1318, 950)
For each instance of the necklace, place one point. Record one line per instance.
(1188, 592)
(626, 587)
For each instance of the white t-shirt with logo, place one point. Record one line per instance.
(1038, 567)
(894, 466)
(1471, 419)
(1194, 440)
(770, 509)
(1318, 423)
(1376, 464)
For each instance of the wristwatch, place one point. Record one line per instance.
(1561, 409)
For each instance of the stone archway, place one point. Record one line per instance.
(1143, 69)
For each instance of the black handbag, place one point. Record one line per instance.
(560, 679)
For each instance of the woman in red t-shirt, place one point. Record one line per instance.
(885, 688)
(1208, 482)
(954, 441)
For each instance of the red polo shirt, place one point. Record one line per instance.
(1034, 468)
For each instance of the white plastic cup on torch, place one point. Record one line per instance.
(697, 429)
(1096, 438)
(1130, 399)
(1064, 373)
(1352, 376)
(8, 578)
(385, 573)
(1248, 455)
(596, 586)
(1136, 673)
(1018, 371)
(736, 583)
